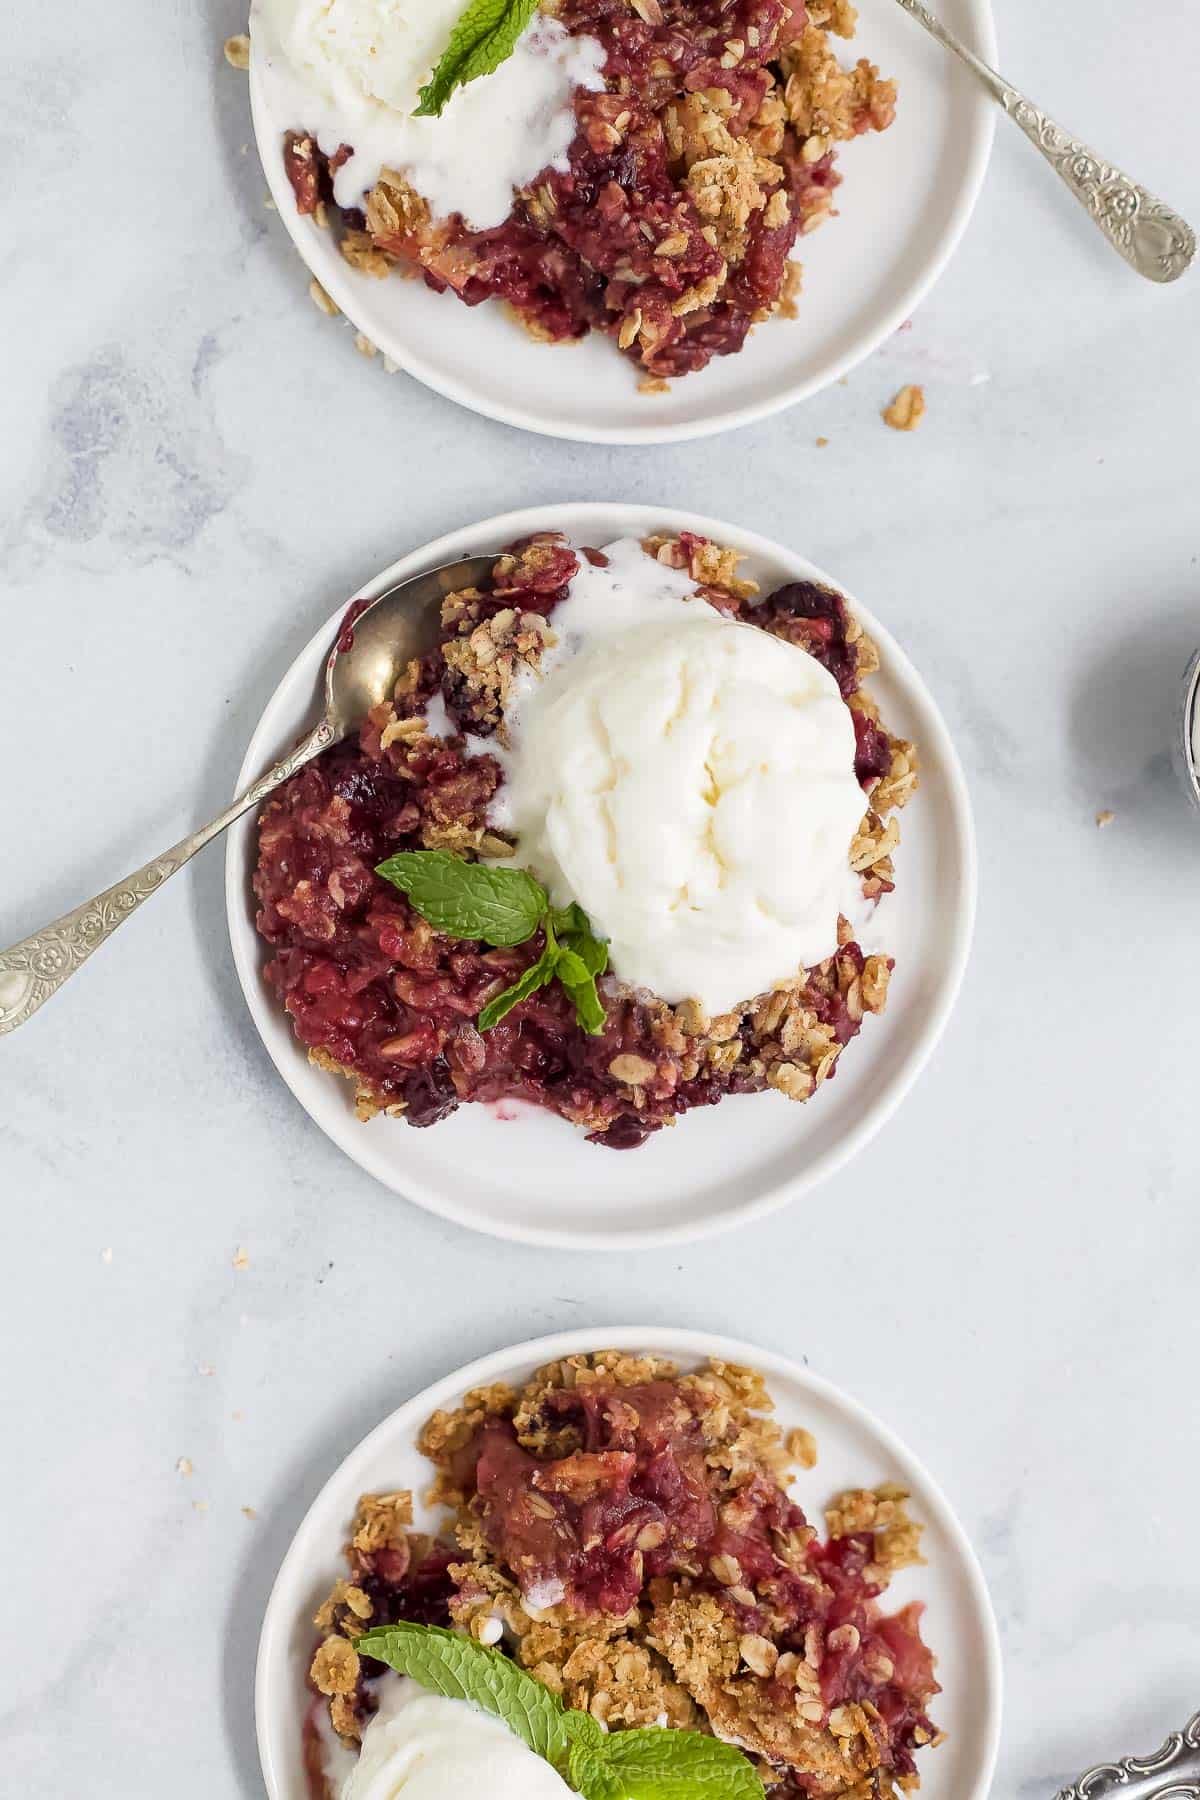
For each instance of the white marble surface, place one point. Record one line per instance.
(196, 466)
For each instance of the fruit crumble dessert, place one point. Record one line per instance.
(642, 168)
(615, 847)
(625, 1535)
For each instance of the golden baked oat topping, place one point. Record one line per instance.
(379, 995)
(626, 1533)
(707, 153)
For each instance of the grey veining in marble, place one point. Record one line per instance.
(195, 467)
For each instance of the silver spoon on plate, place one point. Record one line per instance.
(1151, 237)
(372, 645)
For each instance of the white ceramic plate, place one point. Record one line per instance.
(532, 1177)
(855, 1450)
(904, 202)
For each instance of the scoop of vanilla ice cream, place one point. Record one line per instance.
(350, 71)
(352, 50)
(421, 1746)
(690, 781)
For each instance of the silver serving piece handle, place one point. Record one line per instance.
(1172, 1773)
(36, 968)
(1151, 237)
(376, 639)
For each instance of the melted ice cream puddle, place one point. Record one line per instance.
(349, 72)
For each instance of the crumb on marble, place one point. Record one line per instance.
(906, 410)
(237, 51)
(249, 1512)
(1105, 818)
(321, 300)
(241, 1260)
(822, 442)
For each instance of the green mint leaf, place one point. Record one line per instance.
(575, 932)
(589, 1008)
(572, 971)
(580, 985)
(536, 976)
(468, 900)
(661, 1764)
(449, 1663)
(581, 1728)
(570, 918)
(584, 956)
(486, 35)
(592, 952)
(591, 1773)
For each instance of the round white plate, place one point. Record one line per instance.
(854, 1450)
(528, 1175)
(904, 202)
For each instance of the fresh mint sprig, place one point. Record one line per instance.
(449, 1663)
(486, 35)
(468, 900)
(581, 958)
(538, 975)
(654, 1764)
(506, 907)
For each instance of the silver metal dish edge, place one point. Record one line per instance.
(1183, 751)
(1173, 1772)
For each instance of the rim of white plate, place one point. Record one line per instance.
(273, 1710)
(350, 290)
(600, 521)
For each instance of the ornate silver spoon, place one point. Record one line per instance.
(370, 648)
(1171, 1773)
(1152, 238)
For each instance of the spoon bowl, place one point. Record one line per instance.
(378, 637)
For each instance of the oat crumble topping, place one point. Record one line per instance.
(403, 1034)
(693, 174)
(625, 1532)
